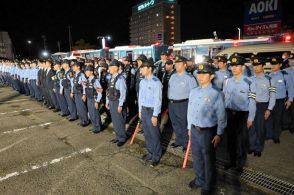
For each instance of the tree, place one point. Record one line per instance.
(81, 44)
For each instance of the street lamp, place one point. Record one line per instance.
(45, 53)
(29, 43)
(239, 33)
(103, 40)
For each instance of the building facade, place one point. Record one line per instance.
(155, 21)
(6, 47)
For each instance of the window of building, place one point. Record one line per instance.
(172, 12)
(157, 14)
(167, 17)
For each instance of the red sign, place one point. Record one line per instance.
(262, 28)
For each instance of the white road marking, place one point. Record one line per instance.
(45, 164)
(11, 145)
(11, 101)
(3, 113)
(24, 128)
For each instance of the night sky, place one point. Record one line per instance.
(29, 20)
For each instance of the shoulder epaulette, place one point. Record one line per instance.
(247, 81)
(284, 72)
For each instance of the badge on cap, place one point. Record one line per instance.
(200, 67)
(234, 60)
(274, 59)
(255, 61)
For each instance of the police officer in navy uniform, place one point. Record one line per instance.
(284, 96)
(169, 71)
(130, 81)
(265, 102)
(65, 89)
(150, 97)
(160, 65)
(93, 93)
(115, 100)
(77, 93)
(179, 87)
(50, 73)
(60, 98)
(240, 94)
(222, 73)
(206, 124)
(138, 75)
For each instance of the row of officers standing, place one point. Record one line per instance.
(210, 103)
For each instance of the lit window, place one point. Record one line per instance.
(166, 17)
(172, 33)
(172, 38)
(172, 28)
(157, 25)
(172, 6)
(172, 12)
(172, 22)
(157, 14)
(172, 17)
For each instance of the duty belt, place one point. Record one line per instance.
(147, 108)
(202, 128)
(178, 101)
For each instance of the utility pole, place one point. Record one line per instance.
(69, 38)
(58, 45)
(44, 41)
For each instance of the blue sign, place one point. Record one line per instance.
(262, 11)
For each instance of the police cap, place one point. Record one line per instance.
(221, 59)
(180, 59)
(236, 59)
(142, 57)
(114, 63)
(204, 68)
(275, 60)
(257, 60)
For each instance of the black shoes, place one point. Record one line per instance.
(72, 119)
(257, 154)
(154, 163)
(193, 185)
(174, 145)
(276, 141)
(83, 124)
(114, 141)
(56, 110)
(184, 149)
(119, 144)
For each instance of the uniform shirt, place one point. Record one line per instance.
(179, 86)
(284, 84)
(96, 85)
(82, 79)
(68, 77)
(206, 108)
(240, 95)
(265, 90)
(220, 77)
(150, 94)
(121, 86)
(290, 71)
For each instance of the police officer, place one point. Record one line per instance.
(290, 72)
(265, 102)
(77, 93)
(138, 75)
(286, 56)
(115, 100)
(150, 97)
(240, 94)
(60, 98)
(206, 124)
(284, 96)
(169, 71)
(222, 73)
(160, 65)
(49, 83)
(179, 87)
(130, 82)
(65, 89)
(93, 93)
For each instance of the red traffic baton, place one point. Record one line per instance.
(135, 132)
(187, 154)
